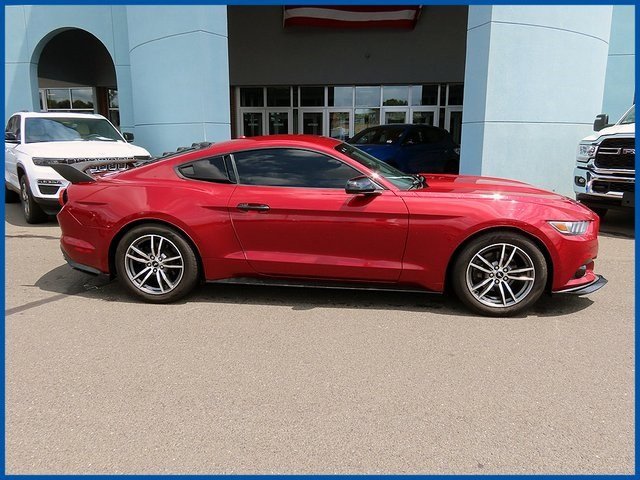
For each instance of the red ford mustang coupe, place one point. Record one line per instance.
(295, 209)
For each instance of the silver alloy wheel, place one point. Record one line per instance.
(154, 264)
(500, 275)
(24, 196)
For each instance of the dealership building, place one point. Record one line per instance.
(517, 86)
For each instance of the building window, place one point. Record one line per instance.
(343, 111)
(77, 99)
(114, 107)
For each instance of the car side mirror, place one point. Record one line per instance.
(362, 186)
(10, 137)
(601, 122)
(128, 136)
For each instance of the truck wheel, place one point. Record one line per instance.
(32, 211)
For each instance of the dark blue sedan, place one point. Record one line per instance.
(411, 148)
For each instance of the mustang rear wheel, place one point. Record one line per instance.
(156, 263)
(500, 274)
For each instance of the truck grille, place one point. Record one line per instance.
(617, 153)
(606, 187)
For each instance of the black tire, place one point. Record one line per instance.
(10, 196)
(31, 210)
(507, 294)
(168, 284)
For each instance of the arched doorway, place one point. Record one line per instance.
(76, 74)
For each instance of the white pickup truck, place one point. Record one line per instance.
(33, 141)
(604, 176)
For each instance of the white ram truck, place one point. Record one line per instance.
(604, 176)
(33, 141)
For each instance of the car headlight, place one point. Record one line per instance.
(571, 228)
(586, 151)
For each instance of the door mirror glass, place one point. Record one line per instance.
(128, 136)
(10, 137)
(601, 122)
(361, 186)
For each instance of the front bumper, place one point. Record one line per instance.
(593, 286)
(604, 188)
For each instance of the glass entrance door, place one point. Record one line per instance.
(424, 116)
(252, 123)
(339, 125)
(278, 123)
(312, 122)
(392, 117)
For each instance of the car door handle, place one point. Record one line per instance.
(245, 207)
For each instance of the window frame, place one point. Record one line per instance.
(333, 189)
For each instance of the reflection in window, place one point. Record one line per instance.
(423, 118)
(340, 96)
(365, 118)
(367, 96)
(82, 98)
(339, 125)
(58, 98)
(395, 96)
(288, 167)
(424, 95)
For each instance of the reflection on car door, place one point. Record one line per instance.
(293, 217)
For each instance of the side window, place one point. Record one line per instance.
(433, 135)
(13, 126)
(208, 170)
(290, 167)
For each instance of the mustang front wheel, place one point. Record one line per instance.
(156, 263)
(500, 274)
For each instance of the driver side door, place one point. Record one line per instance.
(293, 218)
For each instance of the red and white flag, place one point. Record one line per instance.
(353, 16)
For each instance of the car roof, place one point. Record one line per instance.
(58, 115)
(270, 141)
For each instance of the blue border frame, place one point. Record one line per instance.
(319, 477)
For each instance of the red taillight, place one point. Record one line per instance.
(62, 197)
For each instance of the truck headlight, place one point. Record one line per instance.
(586, 151)
(571, 228)
(41, 162)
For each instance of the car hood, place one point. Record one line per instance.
(493, 188)
(82, 149)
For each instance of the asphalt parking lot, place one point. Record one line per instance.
(274, 380)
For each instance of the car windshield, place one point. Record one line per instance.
(379, 136)
(64, 129)
(401, 180)
(630, 117)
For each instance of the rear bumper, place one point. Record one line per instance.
(590, 287)
(79, 266)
